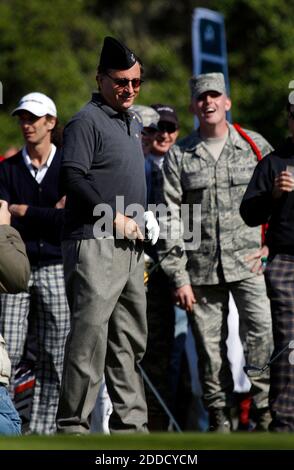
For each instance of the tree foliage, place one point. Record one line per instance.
(53, 47)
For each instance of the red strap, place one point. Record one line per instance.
(249, 140)
(258, 153)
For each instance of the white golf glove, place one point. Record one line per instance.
(152, 227)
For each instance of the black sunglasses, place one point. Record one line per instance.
(124, 82)
(165, 126)
(148, 131)
(291, 114)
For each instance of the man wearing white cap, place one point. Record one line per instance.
(28, 182)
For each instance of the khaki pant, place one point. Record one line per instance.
(104, 282)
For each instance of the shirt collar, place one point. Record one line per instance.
(27, 158)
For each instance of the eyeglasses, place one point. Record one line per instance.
(124, 82)
(291, 114)
(168, 127)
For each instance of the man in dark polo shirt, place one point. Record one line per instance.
(103, 159)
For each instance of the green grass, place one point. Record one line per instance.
(168, 441)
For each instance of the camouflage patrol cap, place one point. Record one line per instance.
(146, 115)
(207, 82)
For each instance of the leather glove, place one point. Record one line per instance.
(151, 226)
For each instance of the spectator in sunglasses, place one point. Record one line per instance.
(165, 136)
(168, 127)
(160, 308)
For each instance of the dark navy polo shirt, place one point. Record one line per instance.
(105, 147)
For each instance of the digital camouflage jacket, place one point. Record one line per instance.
(192, 176)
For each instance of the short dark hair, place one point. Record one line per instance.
(105, 70)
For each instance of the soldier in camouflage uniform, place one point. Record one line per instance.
(212, 167)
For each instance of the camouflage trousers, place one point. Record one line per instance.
(210, 329)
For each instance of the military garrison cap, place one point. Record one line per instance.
(115, 55)
(207, 82)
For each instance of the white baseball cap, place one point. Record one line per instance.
(37, 104)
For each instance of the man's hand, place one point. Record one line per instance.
(18, 210)
(61, 203)
(257, 267)
(185, 297)
(127, 227)
(5, 215)
(284, 182)
(152, 227)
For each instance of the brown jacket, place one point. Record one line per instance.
(14, 264)
(14, 277)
